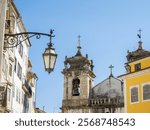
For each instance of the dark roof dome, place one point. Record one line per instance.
(138, 54)
(78, 61)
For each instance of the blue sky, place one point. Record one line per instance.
(108, 28)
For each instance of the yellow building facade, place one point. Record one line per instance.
(137, 81)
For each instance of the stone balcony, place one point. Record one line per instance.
(27, 88)
(5, 104)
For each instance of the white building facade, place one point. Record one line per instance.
(17, 83)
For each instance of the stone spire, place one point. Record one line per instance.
(79, 47)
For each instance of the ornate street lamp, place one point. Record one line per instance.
(49, 56)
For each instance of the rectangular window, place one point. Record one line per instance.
(13, 91)
(134, 95)
(7, 24)
(1, 97)
(7, 21)
(19, 72)
(146, 92)
(138, 67)
(10, 69)
(33, 98)
(8, 94)
(15, 65)
(22, 98)
(20, 50)
(18, 95)
(4, 68)
(13, 22)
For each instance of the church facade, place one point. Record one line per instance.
(81, 96)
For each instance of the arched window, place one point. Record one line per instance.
(76, 87)
(146, 92)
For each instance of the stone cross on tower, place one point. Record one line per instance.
(139, 34)
(111, 67)
(140, 42)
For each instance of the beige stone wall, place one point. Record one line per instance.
(84, 90)
(76, 103)
(2, 29)
(73, 105)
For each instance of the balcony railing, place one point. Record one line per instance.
(107, 101)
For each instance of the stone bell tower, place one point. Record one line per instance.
(78, 81)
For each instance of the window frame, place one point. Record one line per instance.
(19, 71)
(3, 66)
(20, 50)
(137, 67)
(131, 87)
(147, 83)
(10, 69)
(8, 94)
(18, 95)
(15, 65)
(13, 91)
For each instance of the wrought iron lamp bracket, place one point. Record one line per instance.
(13, 40)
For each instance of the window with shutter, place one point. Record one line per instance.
(134, 95)
(146, 92)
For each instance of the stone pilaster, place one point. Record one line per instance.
(3, 6)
